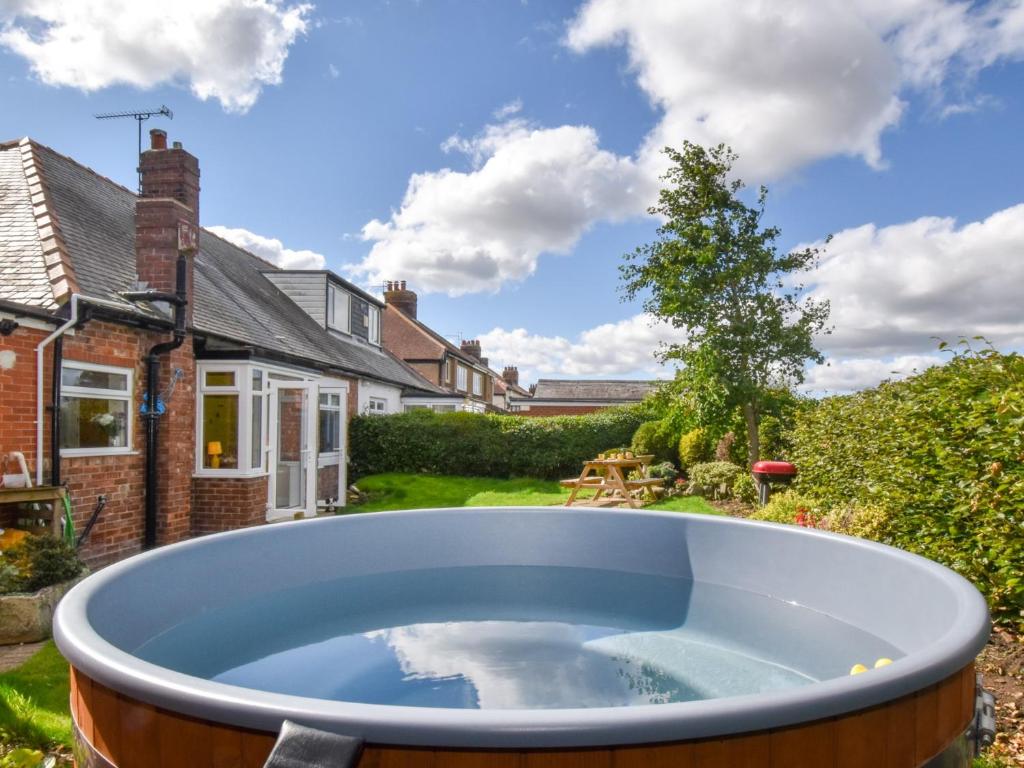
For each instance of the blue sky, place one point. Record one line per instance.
(507, 150)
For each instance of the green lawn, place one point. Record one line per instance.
(400, 491)
(34, 701)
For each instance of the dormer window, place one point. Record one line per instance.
(338, 312)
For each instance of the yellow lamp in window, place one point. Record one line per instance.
(214, 451)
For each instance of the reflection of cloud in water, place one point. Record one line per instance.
(522, 665)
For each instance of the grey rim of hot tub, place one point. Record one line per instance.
(867, 579)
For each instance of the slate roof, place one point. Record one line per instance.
(449, 346)
(607, 390)
(233, 300)
(23, 275)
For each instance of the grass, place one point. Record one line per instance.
(34, 701)
(406, 491)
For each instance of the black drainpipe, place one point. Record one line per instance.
(179, 299)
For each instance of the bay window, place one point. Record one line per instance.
(95, 409)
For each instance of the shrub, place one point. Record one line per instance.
(866, 522)
(789, 507)
(694, 448)
(940, 456)
(40, 561)
(666, 470)
(714, 478)
(744, 488)
(485, 445)
(659, 438)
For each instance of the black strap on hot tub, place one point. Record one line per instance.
(301, 747)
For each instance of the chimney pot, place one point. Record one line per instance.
(510, 375)
(177, 145)
(158, 139)
(397, 295)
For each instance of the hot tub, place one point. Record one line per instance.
(525, 637)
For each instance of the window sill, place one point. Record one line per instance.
(74, 453)
(248, 473)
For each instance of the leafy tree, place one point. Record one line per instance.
(715, 271)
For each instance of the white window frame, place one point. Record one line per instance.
(339, 409)
(478, 384)
(377, 406)
(127, 395)
(333, 294)
(460, 378)
(242, 388)
(373, 330)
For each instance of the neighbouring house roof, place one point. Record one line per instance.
(592, 390)
(438, 338)
(95, 220)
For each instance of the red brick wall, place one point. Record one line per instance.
(227, 503)
(18, 393)
(120, 478)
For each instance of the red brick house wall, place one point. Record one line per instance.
(226, 503)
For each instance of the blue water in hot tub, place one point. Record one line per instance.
(514, 637)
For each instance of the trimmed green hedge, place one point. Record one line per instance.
(942, 455)
(486, 445)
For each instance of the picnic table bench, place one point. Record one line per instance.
(608, 478)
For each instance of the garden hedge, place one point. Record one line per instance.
(942, 454)
(486, 445)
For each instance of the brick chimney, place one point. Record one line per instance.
(166, 214)
(166, 224)
(510, 375)
(401, 298)
(472, 348)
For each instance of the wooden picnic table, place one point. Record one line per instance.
(608, 476)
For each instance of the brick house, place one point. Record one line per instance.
(461, 372)
(193, 393)
(569, 397)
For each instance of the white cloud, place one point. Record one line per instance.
(507, 110)
(841, 376)
(792, 81)
(897, 290)
(785, 83)
(222, 49)
(270, 248)
(530, 191)
(622, 349)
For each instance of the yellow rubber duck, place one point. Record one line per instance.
(883, 662)
(857, 669)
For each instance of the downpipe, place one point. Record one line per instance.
(152, 411)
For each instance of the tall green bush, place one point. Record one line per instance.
(656, 437)
(694, 448)
(941, 455)
(485, 445)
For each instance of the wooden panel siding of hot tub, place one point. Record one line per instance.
(904, 733)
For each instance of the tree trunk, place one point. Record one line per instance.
(753, 433)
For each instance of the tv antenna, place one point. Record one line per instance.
(140, 117)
